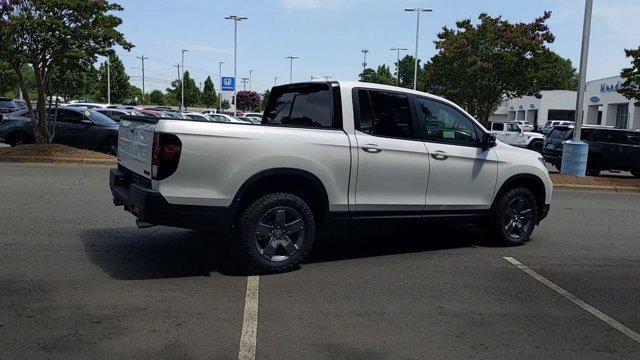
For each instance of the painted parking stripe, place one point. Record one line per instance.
(250, 320)
(569, 296)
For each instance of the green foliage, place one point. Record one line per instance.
(8, 79)
(406, 73)
(265, 100)
(554, 72)
(209, 96)
(119, 81)
(381, 76)
(248, 100)
(631, 76)
(47, 34)
(72, 81)
(225, 104)
(156, 97)
(478, 66)
(192, 94)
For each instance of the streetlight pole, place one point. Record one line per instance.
(235, 19)
(398, 64)
(143, 58)
(275, 81)
(108, 80)
(250, 72)
(364, 60)
(182, 82)
(291, 66)
(220, 75)
(415, 65)
(575, 153)
(244, 83)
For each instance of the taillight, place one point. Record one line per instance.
(166, 155)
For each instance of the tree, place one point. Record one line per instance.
(381, 76)
(191, 92)
(265, 99)
(248, 100)
(119, 81)
(51, 33)
(156, 97)
(209, 96)
(631, 76)
(71, 81)
(406, 70)
(478, 66)
(8, 79)
(554, 72)
(225, 104)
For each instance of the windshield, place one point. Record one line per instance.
(99, 118)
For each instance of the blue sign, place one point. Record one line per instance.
(594, 99)
(605, 88)
(228, 83)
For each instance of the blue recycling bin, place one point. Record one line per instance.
(574, 158)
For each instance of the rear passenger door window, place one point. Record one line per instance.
(385, 114)
(445, 124)
(304, 105)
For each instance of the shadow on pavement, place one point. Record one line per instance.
(135, 254)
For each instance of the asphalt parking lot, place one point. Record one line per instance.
(79, 280)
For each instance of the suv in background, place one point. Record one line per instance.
(525, 125)
(609, 149)
(8, 106)
(546, 129)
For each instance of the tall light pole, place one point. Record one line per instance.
(250, 73)
(275, 81)
(108, 80)
(182, 82)
(398, 63)
(235, 19)
(415, 65)
(220, 74)
(244, 83)
(291, 66)
(364, 60)
(143, 58)
(575, 153)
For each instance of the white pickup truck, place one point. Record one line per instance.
(513, 134)
(327, 153)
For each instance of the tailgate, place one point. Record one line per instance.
(135, 144)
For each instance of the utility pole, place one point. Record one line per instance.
(143, 58)
(244, 83)
(415, 65)
(250, 72)
(108, 80)
(364, 60)
(275, 81)
(235, 19)
(575, 153)
(182, 82)
(398, 63)
(220, 74)
(291, 58)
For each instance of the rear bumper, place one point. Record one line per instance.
(150, 206)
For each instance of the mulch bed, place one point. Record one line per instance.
(53, 151)
(603, 180)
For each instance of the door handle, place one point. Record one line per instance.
(372, 148)
(440, 155)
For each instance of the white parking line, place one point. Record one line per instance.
(569, 296)
(250, 320)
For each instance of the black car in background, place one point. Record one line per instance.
(8, 106)
(81, 128)
(609, 149)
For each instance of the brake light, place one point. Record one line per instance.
(166, 155)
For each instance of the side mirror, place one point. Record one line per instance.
(488, 141)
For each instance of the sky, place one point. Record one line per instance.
(328, 35)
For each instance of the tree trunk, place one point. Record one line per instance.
(43, 136)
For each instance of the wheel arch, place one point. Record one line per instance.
(528, 181)
(296, 181)
(30, 137)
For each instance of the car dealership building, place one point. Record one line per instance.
(603, 105)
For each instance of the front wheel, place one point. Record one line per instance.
(514, 217)
(18, 138)
(536, 146)
(276, 232)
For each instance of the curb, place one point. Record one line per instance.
(52, 160)
(598, 187)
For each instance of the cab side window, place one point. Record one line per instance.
(513, 127)
(498, 127)
(445, 124)
(385, 114)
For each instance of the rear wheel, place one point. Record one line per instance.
(19, 138)
(276, 232)
(593, 171)
(514, 217)
(109, 146)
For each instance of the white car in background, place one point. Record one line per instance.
(197, 116)
(513, 134)
(525, 125)
(227, 118)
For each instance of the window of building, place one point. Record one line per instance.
(385, 114)
(446, 124)
(565, 115)
(305, 105)
(622, 115)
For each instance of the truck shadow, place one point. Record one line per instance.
(129, 253)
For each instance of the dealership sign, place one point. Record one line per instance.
(228, 83)
(606, 88)
(594, 99)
